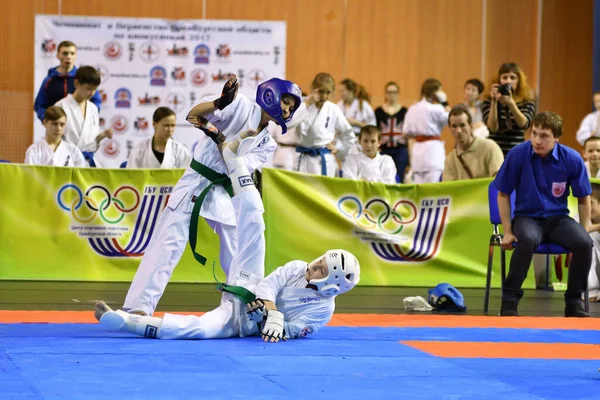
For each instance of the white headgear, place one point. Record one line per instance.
(344, 273)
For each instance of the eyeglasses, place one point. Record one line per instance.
(392, 92)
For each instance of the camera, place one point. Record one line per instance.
(505, 89)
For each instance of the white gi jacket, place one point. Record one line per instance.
(241, 115)
(305, 310)
(81, 131)
(142, 156)
(65, 155)
(379, 169)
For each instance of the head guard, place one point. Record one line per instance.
(268, 97)
(445, 297)
(344, 273)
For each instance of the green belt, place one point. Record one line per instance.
(215, 178)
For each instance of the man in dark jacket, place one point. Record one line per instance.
(60, 80)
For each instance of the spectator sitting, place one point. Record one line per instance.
(60, 81)
(473, 157)
(160, 151)
(594, 276)
(591, 154)
(590, 126)
(83, 122)
(52, 150)
(369, 165)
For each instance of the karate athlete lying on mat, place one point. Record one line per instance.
(204, 189)
(293, 301)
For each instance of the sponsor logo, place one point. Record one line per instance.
(106, 217)
(221, 76)
(178, 75)
(158, 76)
(119, 123)
(245, 180)
(149, 52)
(223, 52)
(123, 98)
(176, 101)
(201, 54)
(401, 231)
(148, 100)
(110, 148)
(177, 51)
(48, 47)
(141, 124)
(199, 77)
(112, 50)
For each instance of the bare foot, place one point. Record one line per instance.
(100, 308)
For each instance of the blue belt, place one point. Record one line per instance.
(319, 151)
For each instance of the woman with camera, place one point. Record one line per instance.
(510, 108)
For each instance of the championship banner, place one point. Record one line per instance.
(149, 63)
(402, 235)
(89, 224)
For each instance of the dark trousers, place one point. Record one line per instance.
(400, 156)
(561, 230)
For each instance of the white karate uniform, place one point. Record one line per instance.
(285, 156)
(142, 156)
(65, 155)
(379, 169)
(172, 231)
(587, 166)
(317, 129)
(594, 276)
(425, 119)
(81, 131)
(589, 127)
(367, 115)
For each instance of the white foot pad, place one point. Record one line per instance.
(113, 320)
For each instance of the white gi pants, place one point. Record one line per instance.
(164, 252)
(312, 164)
(247, 269)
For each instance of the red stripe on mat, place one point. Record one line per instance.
(551, 351)
(357, 320)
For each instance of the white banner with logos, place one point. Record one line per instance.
(148, 63)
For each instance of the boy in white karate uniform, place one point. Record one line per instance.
(369, 165)
(83, 122)
(52, 150)
(294, 301)
(160, 151)
(320, 148)
(204, 190)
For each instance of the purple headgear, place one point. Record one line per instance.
(268, 97)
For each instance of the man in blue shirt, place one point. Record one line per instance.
(542, 172)
(60, 80)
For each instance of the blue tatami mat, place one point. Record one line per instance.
(80, 361)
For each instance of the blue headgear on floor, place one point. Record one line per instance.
(445, 297)
(268, 97)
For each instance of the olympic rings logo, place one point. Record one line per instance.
(101, 208)
(377, 213)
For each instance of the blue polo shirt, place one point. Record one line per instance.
(543, 185)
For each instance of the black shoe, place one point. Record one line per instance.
(576, 310)
(509, 309)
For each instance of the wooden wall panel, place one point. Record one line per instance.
(511, 36)
(314, 31)
(566, 59)
(409, 41)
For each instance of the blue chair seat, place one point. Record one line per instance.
(548, 248)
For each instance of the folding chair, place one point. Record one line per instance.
(496, 240)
